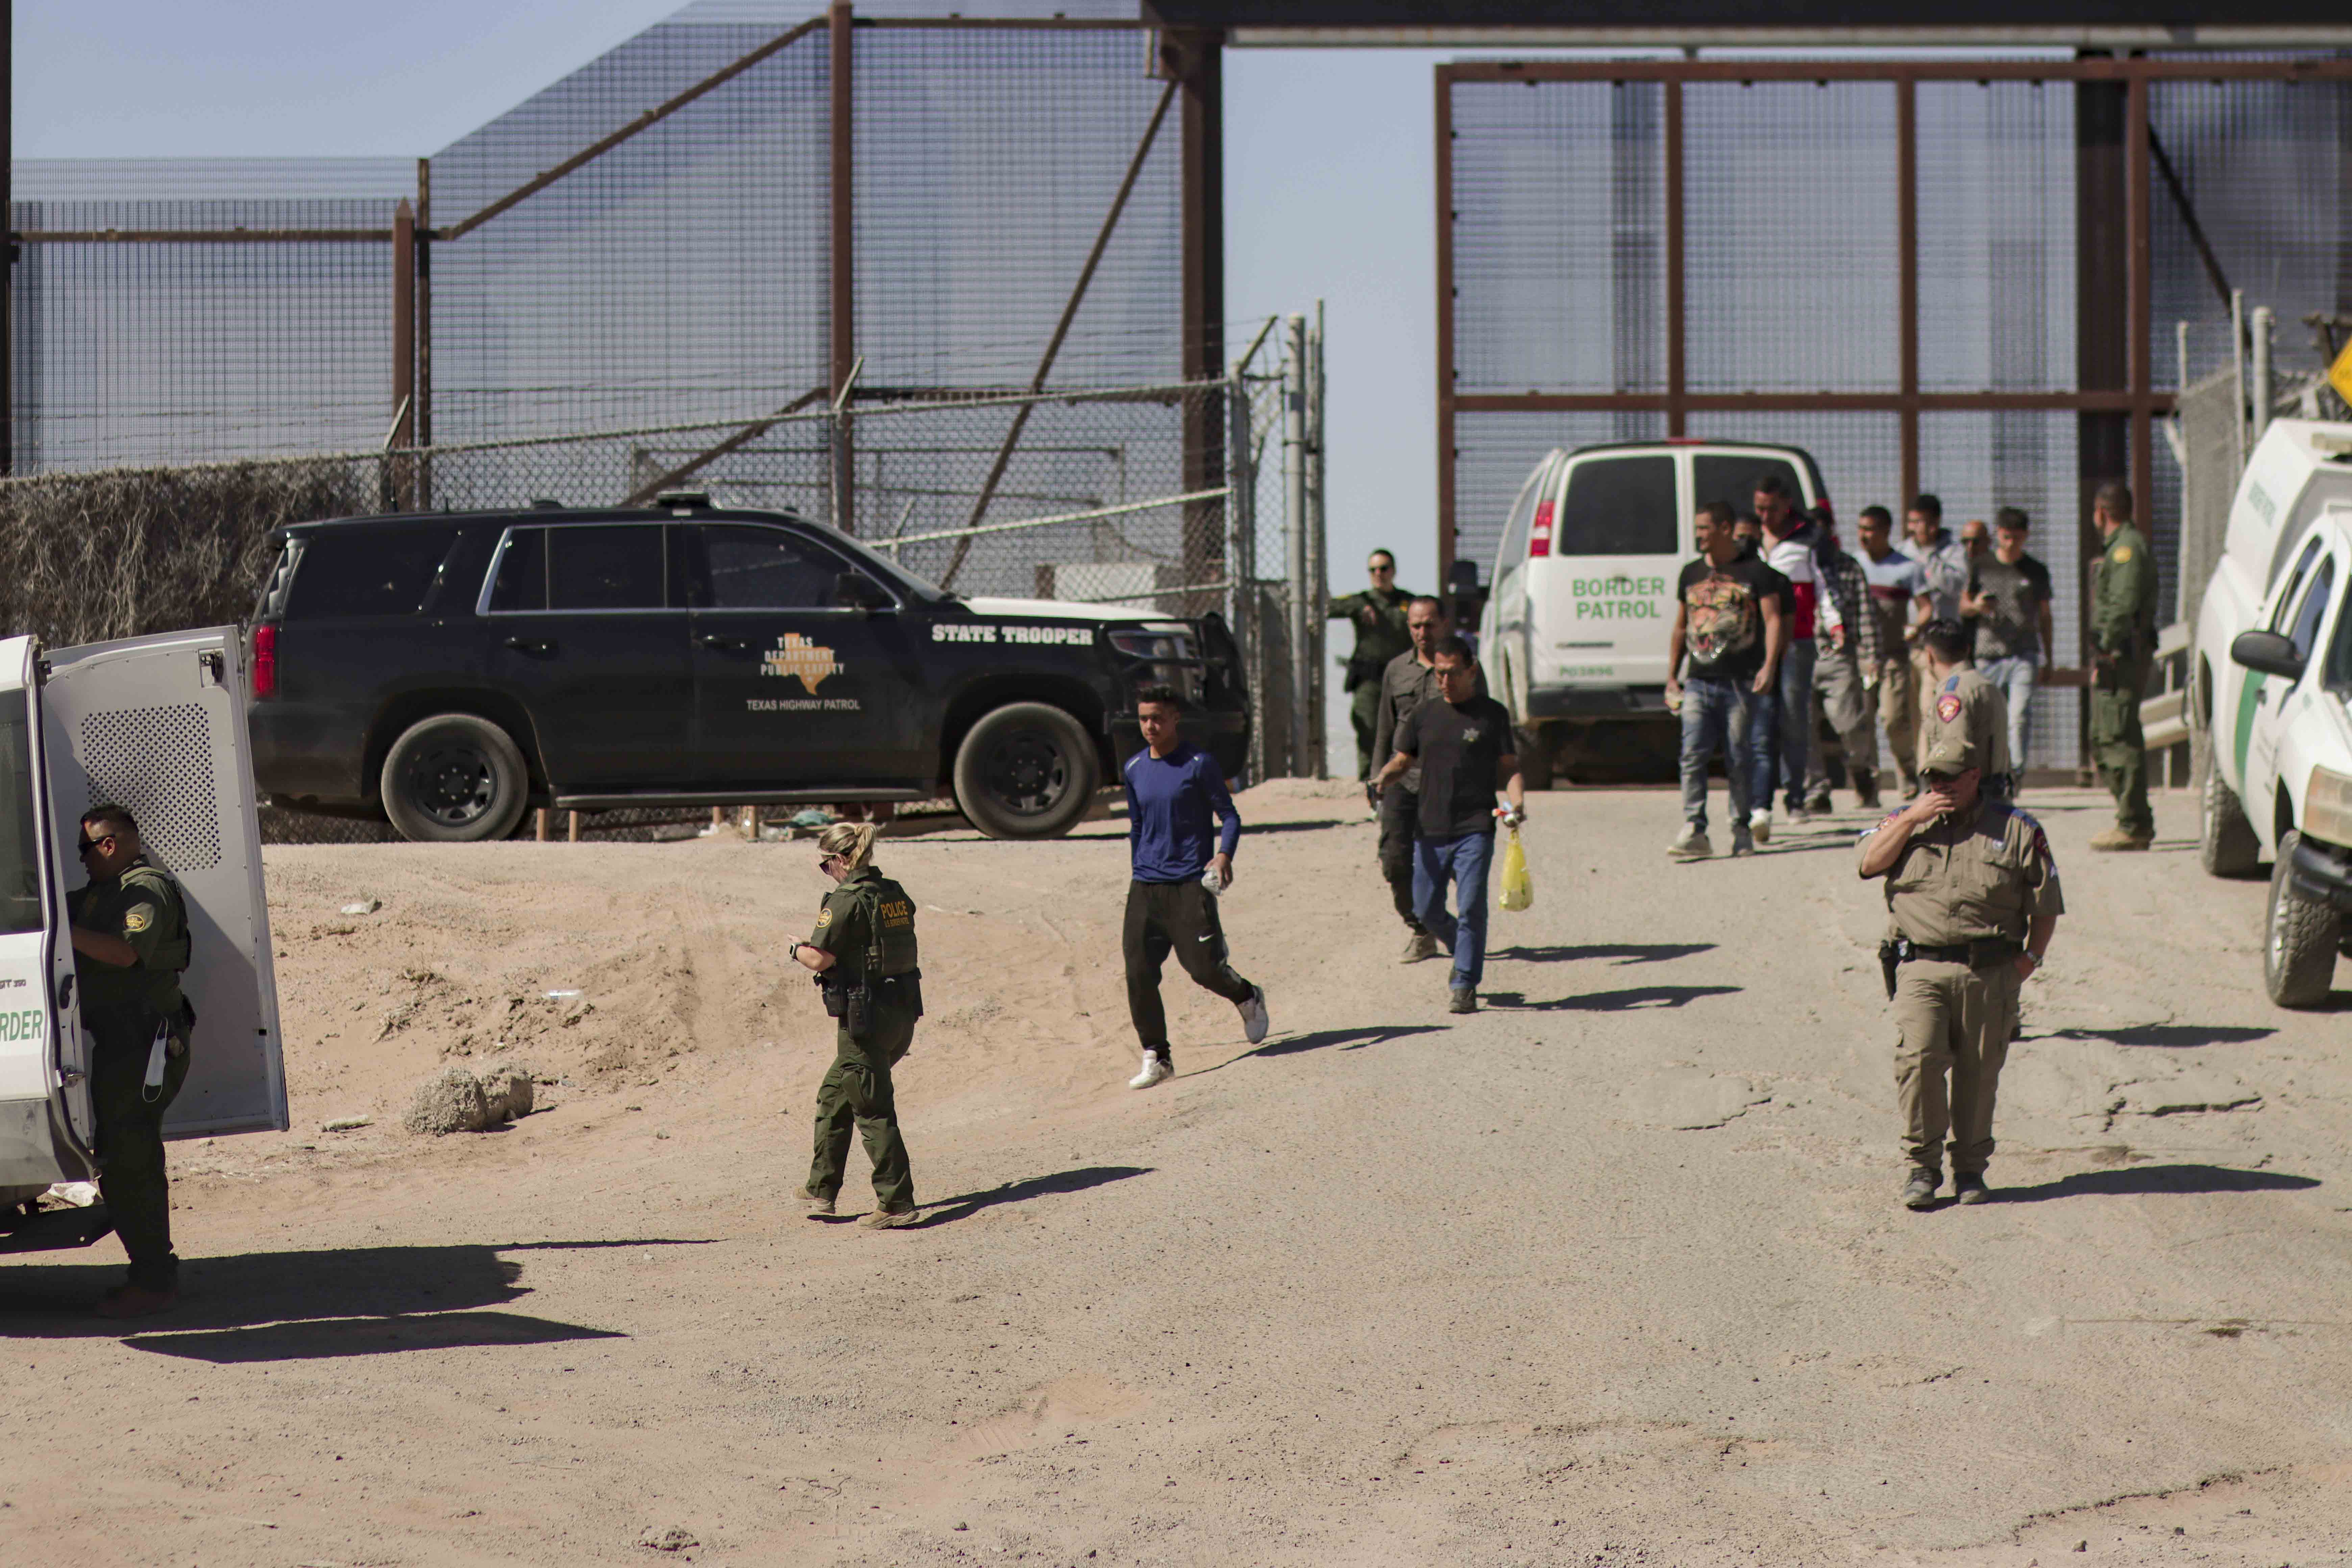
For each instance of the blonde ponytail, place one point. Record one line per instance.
(854, 841)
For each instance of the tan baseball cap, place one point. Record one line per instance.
(1952, 753)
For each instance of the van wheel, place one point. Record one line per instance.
(455, 778)
(1535, 759)
(1026, 771)
(2299, 937)
(2226, 842)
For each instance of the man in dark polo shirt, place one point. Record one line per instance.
(1464, 746)
(2008, 603)
(1410, 680)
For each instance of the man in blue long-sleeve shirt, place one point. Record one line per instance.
(1172, 792)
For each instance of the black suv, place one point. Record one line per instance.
(450, 669)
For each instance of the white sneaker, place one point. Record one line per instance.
(1690, 844)
(1759, 824)
(1156, 1070)
(1799, 813)
(1252, 1012)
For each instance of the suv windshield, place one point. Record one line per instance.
(20, 858)
(889, 571)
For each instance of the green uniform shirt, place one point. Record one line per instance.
(143, 907)
(867, 911)
(1378, 616)
(2123, 595)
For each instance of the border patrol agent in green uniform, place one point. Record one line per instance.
(2123, 642)
(1378, 615)
(130, 943)
(1972, 900)
(864, 957)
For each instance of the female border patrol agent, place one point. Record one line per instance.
(864, 957)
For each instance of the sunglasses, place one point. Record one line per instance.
(84, 846)
(1389, 569)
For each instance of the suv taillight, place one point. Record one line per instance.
(265, 661)
(1539, 530)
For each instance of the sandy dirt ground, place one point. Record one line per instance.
(1611, 1273)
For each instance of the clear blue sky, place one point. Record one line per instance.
(1327, 171)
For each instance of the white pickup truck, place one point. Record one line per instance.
(1574, 632)
(156, 725)
(2272, 695)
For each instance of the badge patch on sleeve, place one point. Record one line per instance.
(1947, 707)
(2122, 554)
(825, 917)
(137, 918)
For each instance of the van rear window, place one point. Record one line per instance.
(1725, 477)
(372, 572)
(1620, 506)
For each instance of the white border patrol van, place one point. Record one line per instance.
(156, 725)
(1574, 632)
(2272, 694)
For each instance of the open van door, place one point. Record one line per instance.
(157, 725)
(45, 1115)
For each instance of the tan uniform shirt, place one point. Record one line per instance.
(1957, 882)
(1967, 698)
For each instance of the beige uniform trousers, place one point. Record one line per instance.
(1951, 1019)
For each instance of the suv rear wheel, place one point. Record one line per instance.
(2299, 937)
(2227, 844)
(1027, 770)
(455, 778)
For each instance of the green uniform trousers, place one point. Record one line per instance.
(2117, 744)
(1951, 1019)
(131, 1143)
(1363, 712)
(857, 1090)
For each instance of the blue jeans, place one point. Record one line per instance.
(1720, 714)
(1793, 736)
(1464, 859)
(2015, 676)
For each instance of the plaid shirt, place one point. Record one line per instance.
(1842, 578)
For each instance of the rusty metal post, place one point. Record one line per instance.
(540, 824)
(1196, 61)
(1446, 523)
(2102, 319)
(1677, 354)
(1906, 262)
(7, 240)
(842, 257)
(1294, 523)
(2140, 289)
(572, 834)
(420, 422)
(404, 352)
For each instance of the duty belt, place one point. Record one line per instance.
(1978, 954)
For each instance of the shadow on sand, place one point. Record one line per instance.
(295, 1306)
(947, 1211)
(1639, 997)
(2148, 1180)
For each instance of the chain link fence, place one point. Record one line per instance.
(1179, 500)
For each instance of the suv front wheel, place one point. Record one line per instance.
(455, 778)
(2300, 937)
(1027, 770)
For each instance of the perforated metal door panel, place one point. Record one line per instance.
(156, 725)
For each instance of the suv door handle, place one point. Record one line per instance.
(530, 644)
(725, 645)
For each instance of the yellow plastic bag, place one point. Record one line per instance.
(1519, 888)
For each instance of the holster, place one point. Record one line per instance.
(1890, 958)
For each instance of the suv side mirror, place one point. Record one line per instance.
(2267, 652)
(856, 591)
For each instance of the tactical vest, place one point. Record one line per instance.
(889, 916)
